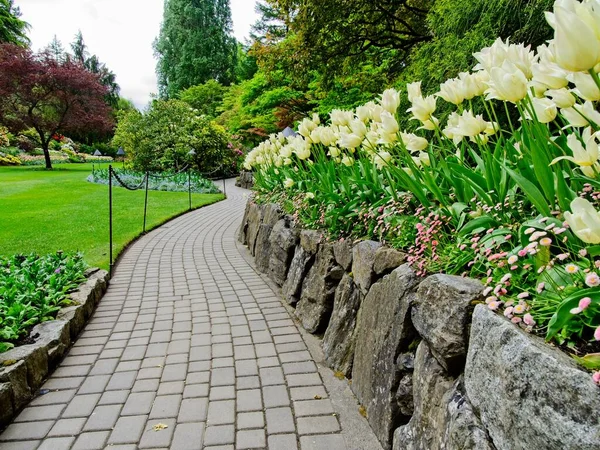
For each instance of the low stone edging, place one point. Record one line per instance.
(433, 368)
(23, 369)
(245, 180)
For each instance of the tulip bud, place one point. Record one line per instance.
(562, 97)
(576, 46)
(390, 100)
(584, 221)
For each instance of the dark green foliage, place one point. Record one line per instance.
(194, 45)
(33, 289)
(12, 28)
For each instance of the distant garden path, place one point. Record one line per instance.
(189, 336)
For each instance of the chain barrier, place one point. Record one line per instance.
(112, 173)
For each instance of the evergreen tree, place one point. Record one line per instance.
(195, 45)
(12, 28)
(56, 49)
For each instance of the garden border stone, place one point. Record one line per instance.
(23, 369)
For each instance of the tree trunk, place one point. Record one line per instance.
(45, 146)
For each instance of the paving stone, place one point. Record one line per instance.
(59, 443)
(276, 396)
(221, 434)
(250, 420)
(25, 431)
(221, 412)
(283, 442)
(128, 430)
(280, 420)
(121, 380)
(308, 393)
(195, 390)
(165, 406)
(94, 384)
(188, 436)
(138, 403)
(68, 427)
(161, 437)
(81, 405)
(250, 439)
(193, 410)
(103, 418)
(114, 398)
(222, 393)
(247, 382)
(91, 441)
(315, 425)
(313, 407)
(271, 376)
(249, 400)
(35, 413)
(322, 442)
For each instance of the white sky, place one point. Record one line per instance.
(120, 32)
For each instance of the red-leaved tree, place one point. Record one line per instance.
(50, 96)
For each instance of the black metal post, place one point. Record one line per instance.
(146, 203)
(190, 187)
(110, 218)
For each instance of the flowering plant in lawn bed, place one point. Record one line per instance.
(166, 181)
(33, 289)
(504, 188)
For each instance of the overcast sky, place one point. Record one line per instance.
(120, 32)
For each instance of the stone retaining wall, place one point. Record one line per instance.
(23, 369)
(433, 368)
(245, 180)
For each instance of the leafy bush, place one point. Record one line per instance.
(162, 137)
(9, 160)
(32, 289)
(165, 181)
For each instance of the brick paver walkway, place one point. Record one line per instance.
(189, 337)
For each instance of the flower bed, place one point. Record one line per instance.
(32, 290)
(158, 182)
(504, 189)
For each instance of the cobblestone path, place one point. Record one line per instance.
(188, 349)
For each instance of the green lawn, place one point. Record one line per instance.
(45, 211)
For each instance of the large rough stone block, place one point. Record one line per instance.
(363, 258)
(441, 315)
(342, 250)
(443, 417)
(242, 233)
(383, 332)
(301, 263)
(339, 340)
(76, 318)
(54, 335)
(6, 404)
(283, 240)
(16, 375)
(515, 381)
(35, 357)
(254, 221)
(318, 290)
(262, 249)
(387, 259)
(310, 241)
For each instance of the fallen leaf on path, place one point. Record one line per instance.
(160, 426)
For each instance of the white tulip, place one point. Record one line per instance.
(423, 108)
(452, 91)
(585, 85)
(492, 56)
(580, 116)
(562, 97)
(288, 183)
(507, 83)
(347, 161)
(286, 151)
(389, 125)
(382, 159)
(576, 43)
(363, 113)
(544, 108)
(358, 127)
(305, 127)
(584, 221)
(413, 90)
(341, 118)
(334, 152)
(390, 100)
(585, 157)
(376, 112)
(327, 136)
(548, 76)
(473, 84)
(350, 140)
(414, 143)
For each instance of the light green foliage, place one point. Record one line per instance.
(33, 289)
(204, 98)
(162, 137)
(194, 45)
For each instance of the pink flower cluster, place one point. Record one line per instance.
(429, 230)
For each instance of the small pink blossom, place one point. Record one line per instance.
(549, 227)
(515, 267)
(540, 287)
(520, 308)
(493, 305)
(508, 312)
(583, 252)
(528, 320)
(546, 242)
(575, 310)
(487, 290)
(597, 334)
(562, 256)
(596, 378)
(522, 252)
(559, 230)
(584, 303)
(513, 259)
(491, 299)
(505, 278)
(523, 295)
(592, 279)
(538, 234)
(515, 319)
(529, 230)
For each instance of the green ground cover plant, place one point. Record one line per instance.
(497, 180)
(33, 289)
(45, 211)
(164, 181)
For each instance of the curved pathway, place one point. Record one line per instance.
(189, 349)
